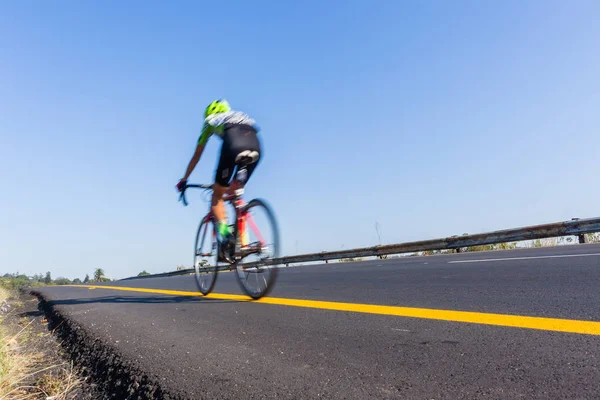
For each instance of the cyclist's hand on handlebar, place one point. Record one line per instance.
(181, 185)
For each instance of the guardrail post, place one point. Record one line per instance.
(582, 238)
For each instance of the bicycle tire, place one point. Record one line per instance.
(268, 272)
(206, 274)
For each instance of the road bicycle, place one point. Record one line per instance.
(254, 248)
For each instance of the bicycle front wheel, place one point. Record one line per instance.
(257, 245)
(205, 257)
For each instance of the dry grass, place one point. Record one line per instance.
(58, 383)
(25, 372)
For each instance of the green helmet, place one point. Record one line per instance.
(217, 106)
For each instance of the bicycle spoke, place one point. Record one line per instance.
(205, 257)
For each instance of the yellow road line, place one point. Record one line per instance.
(516, 321)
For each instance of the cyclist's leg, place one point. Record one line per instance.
(248, 145)
(222, 177)
(221, 185)
(235, 184)
(218, 205)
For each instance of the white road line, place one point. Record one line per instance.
(523, 258)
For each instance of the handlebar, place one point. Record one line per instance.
(182, 195)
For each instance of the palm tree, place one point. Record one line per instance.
(98, 274)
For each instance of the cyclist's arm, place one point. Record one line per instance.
(207, 131)
(194, 161)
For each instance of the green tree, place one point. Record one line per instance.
(86, 279)
(77, 281)
(143, 273)
(48, 278)
(98, 275)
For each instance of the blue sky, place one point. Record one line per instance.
(433, 118)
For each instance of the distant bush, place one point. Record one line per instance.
(16, 283)
(350, 259)
(491, 247)
(592, 237)
(19, 281)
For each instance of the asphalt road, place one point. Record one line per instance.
(216, 348)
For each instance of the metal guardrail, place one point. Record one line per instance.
(575, 227)
(163, 274)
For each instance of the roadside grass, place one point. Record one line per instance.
(26, 369)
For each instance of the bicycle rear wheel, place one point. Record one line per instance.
(205, 257)
(256, 246)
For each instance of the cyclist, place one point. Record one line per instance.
(241, 147)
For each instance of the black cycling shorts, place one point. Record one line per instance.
(239, 143)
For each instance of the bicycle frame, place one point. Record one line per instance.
(243, 220)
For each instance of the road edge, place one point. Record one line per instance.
(115, 376)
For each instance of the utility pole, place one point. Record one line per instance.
(378, 231)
